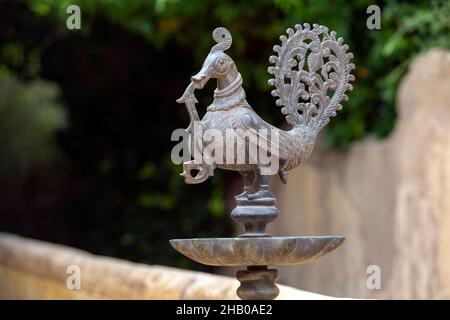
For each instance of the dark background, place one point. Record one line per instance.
(86, 115)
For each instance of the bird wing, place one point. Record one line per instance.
(259, 135)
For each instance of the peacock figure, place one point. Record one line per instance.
(311, 73)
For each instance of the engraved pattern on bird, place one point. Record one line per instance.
(311, 70)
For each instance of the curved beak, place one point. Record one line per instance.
(199, 80)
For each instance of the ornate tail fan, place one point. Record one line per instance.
(312, 73)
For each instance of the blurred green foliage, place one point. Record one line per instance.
(30, 114)
(381, 56)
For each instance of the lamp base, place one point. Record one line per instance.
(257, 283)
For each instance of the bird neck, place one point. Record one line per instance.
(228, 94)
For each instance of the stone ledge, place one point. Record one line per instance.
(32, 269)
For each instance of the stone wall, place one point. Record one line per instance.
(31, 269)
(390, 198)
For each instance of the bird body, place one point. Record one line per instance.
(311, 75)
